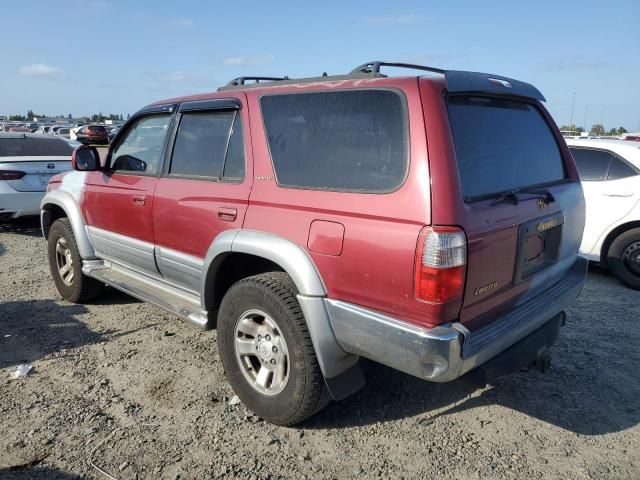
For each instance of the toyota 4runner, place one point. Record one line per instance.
(430, 223)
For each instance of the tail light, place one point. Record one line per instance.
(441, 262)
(11, 174)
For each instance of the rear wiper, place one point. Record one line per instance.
(547, 196)
(511, 195)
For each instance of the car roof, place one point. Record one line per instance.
(629, 149)
(369, 74)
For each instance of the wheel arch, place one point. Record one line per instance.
(612, 235)
(59, 204)
(259, 252)
(271, 251)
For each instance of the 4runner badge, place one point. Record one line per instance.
(547, 225)
(264, 177)
(485, 289)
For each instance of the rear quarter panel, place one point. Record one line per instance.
(375, 267)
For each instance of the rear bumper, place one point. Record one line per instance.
(15, 204)
(449, 351)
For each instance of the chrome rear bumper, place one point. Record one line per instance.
(448, 351)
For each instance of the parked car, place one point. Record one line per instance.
(113, 131)
(27, 162)
(19, 129)
(63, 132)
(92, 135)
(610, 173)
(428, 223)
(43, 129)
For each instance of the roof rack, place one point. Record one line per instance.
(240, 81)
(374, 67)
(456, 80)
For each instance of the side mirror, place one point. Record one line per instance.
(85, 159)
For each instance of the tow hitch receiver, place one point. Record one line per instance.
(531, 351)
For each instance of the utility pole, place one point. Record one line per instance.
(585, 119)
(573, 103)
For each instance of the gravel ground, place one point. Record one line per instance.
(141, 394)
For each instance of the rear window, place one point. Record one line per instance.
(349, 140)
(502, 145)
(97, 128)
(34, 147)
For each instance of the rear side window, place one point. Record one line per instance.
(209, 144)
(620, 169)
(348, 140)
(34, 147)
(502, 145)
(592, 165)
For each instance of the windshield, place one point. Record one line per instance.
(502, 145)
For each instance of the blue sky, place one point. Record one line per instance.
(85, 56)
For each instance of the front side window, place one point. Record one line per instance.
(353, 140)
(208, 144)
(140, 149)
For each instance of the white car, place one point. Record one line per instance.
(610, 175)
(27, 162)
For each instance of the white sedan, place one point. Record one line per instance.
(610, 175)
(27, 162)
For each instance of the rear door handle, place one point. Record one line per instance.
(618, 194)
(228, 214)
(138, 200)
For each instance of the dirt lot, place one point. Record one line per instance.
(142, 394)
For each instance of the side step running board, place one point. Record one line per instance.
(156, 291)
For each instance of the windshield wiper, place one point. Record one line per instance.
(511, 195)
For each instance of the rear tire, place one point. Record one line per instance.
(266, 350)
(623, 258)
(65, 264)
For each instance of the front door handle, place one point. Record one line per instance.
(228, 214)
(138, 200)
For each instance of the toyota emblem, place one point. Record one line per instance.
(51, 165)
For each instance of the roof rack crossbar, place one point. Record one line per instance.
(374, 67)
(243, 80)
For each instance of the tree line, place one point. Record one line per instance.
(96, 117)
(597, 130)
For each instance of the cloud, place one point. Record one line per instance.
(574, 64)
(41, 70)
(255, 60)
(394, 19)
(176, 77)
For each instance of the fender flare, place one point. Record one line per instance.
(297, 263)
(68, 204)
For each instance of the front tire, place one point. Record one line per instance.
(266, 350)
(65, 264)
(623, 258)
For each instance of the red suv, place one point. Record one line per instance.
(428, 223)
